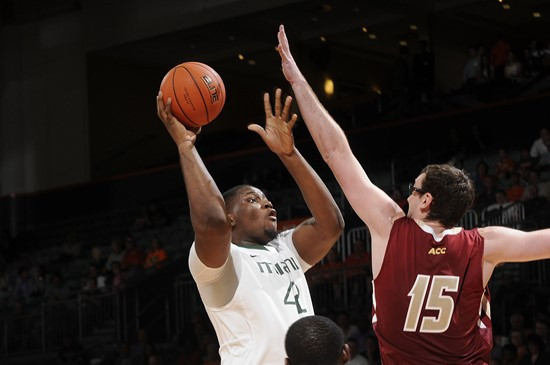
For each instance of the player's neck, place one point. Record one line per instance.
(437, 227)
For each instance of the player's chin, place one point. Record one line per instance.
(271, 232)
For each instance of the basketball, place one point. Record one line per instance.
(197, 92)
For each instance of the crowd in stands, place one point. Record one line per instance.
(80, 268)
(490, 72)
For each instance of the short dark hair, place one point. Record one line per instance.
(453, 193)
(314, 340)
(230, 195)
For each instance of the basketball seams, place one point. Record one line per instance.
(218, 80)
(200, 93)
(176, 95)
(183, 82)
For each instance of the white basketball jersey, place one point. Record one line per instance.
(272, 293)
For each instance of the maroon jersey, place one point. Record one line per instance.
(430, 306)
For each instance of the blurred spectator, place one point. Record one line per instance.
(505, 163)
(509, 355)
(536, 355)
(487, 195)
(24, 286)
(397, 196)
(118, 280)
(40, 279)
(539, 149)
(142, 221)
(57, 290)
(499, 57)
(150, 216)
(517, 339)
(350, 330)
(513, 71)
(90, 288)
(96, 257)
(117, 253)
(355, 358)
(358, 273)
(536, 57)
(525, 162)
(471, 69)
(157, 256)
(157, 216)
(372, 350)
(482, 171)
(517, 321)
(72, 248)
(542, 330)
(95, 274)
(133, 256)
(517, 188)
(484, 76)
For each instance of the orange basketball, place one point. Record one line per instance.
(197, 92)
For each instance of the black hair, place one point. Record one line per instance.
(230, 195)
(314, 340)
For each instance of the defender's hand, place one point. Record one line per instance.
(277, 134)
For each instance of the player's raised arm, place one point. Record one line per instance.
(206, 205)
(314, 237)
(504, 244)
(372, 205)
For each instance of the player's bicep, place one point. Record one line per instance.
(504, 244)
(213, 247)
(371, 203)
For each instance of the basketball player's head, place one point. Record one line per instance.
(441, 193)
(253, 218)
(315, 340)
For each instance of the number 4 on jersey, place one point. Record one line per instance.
(435, 300)
(295, 302)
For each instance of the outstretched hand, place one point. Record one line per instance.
(277, 133)
(290, 69)
(179, 133)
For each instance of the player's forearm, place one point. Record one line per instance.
(326, 133)
(316, 195)
(206, 204)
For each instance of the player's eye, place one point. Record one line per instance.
(252, 200)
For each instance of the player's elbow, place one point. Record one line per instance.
(335, 228)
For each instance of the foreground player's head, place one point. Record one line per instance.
(315, 340)
(253, 219)
(441, 193)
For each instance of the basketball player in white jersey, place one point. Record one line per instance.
(251, 277)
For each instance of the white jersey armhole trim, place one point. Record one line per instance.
(286, 238)
(202, 273)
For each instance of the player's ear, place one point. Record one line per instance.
(345, 354)
(427, 199)
(287, 362)
(231, 219)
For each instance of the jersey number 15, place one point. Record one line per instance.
(434, 300)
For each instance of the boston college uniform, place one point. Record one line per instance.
(430, 306)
